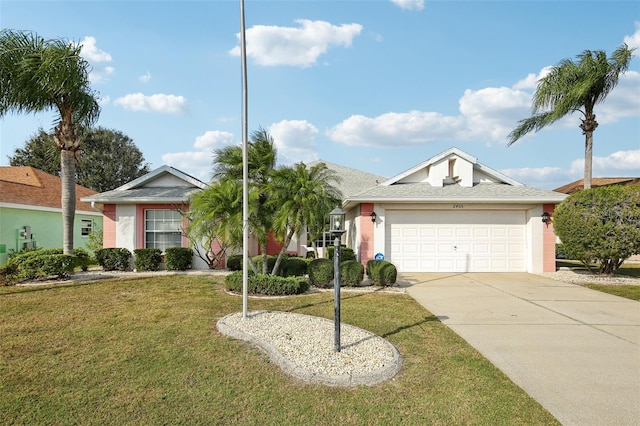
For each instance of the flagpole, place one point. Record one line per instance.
(245, 167)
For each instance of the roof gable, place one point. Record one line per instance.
(32, 187)
(160, 186)
(452, 166)
(164, 176)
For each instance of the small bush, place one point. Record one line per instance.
(82, 259)
(267, 284)
(46, 265)
(258, 260)
(178, 258)
(9, 274)
(321, 273)
(345, 253)
(147, 259)
(293, 267)
(561, 253)
(113, 259)
(234, 262)
(352, 273)
(381, 272)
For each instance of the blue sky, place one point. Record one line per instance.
(376, 85)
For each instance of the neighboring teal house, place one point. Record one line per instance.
(31, 213)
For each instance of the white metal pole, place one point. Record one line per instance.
(245, 166)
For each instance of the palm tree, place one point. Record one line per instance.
(262, 162)
(576, 86)
(302, 196)
(216, 214)
(39, 75)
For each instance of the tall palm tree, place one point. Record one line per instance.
(576, 86)
(261, 162)
(39, 75)
(302, 196)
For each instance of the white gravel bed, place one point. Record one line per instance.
(303, 346)
(584, 277)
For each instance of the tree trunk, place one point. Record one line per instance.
(588, 159)
(589, 124)
(287, 240)
(68, 199)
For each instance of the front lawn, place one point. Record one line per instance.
(146, 351)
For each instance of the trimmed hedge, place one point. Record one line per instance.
(147, 259)
(345, 253)
(113, 259)
(351, 273)
(234, 262)
(42, 263)
(258, 260)
(321, 273)
(382, 272)
(293, 267)
(178, 258)
(269, 285)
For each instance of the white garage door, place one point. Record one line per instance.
(456, 241)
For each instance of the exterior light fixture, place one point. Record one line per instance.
(546, 218)
(336, 226)
(373, 217)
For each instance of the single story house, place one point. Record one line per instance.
(450, 213)
(31, 211)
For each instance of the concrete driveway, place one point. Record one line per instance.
(575, 350)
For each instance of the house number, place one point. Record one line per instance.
(458, 206)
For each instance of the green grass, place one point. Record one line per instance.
(146, 351)
(628, 269)
(627, 291)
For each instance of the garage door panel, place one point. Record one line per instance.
(467, 241)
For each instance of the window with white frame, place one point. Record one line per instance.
(86, 226)
(162, 229)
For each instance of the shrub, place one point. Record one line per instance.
(352, 273)
(258, 260)
(293, 267)
(46, 265)
(234, 262)
(345, 253)
(9, 274)
(321, 272)
(113, 259)
(561, 252)
(178, 258)
(267, 284)
(382, 272)
(82, 259)
(600, 225)
(147, 259)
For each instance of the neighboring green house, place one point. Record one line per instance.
(31, 213)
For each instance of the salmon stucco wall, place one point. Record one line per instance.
(109, 226)
(548, 242)
(366, 233)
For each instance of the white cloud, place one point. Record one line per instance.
(199, 163)
(167, 104)
(633, 40)
(145, 78)
(214, 139)
(294, 140)
(272, 45)
(97, 58)
(616, 164)
(531, 80)
(623, 101)
(409, 4)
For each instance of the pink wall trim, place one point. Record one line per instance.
(140, 208)
(366, 233)
(109, 226)
(548, 242)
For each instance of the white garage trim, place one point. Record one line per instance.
(457, 241)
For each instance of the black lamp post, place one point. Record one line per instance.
(336, 227)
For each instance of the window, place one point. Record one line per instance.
(162, 229)
(86, 226)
